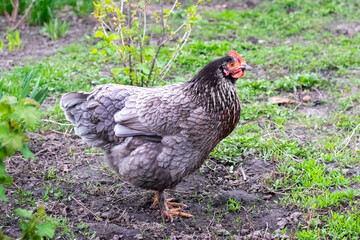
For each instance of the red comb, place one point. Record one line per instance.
(233, 53)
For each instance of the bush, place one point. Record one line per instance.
(123, 30)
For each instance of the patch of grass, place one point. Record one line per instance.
(55, 29)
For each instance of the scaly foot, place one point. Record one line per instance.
(168, 209)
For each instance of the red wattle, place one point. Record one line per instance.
(238, 74)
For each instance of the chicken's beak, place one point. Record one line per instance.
(247, 67)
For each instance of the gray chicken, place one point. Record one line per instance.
(156, 136)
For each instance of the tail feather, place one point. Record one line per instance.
(75, 106)
(70, 102)
(92, 114)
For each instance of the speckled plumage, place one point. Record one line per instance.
(156, 136)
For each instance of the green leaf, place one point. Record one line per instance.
(4, 129)
(25, 151)
(12, 142)
(25, 89)
(94, 51)
(41, 95)
(145, 69)
(112, 37)
(41, 210)
(23, 212)
(2, 193)
(32, 94)
(99, 34)
(116, 71)
(127, 70)
(47, 229)
(28, 114)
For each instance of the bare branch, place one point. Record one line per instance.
(5, 12)
(177, 30)
(27, 11)
(120, 27)
(173, 6)
(176, 54)
(161, 42)
(15, 11)
(144, 33)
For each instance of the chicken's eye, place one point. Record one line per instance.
(231, 64)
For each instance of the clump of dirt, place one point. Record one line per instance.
(348, 29)
(74, 183)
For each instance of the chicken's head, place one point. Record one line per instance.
(236, 66)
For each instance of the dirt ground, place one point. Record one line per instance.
(74, 183)
(37, 46)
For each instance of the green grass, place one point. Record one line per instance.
(299, 50)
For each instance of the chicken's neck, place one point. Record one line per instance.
(213, 91)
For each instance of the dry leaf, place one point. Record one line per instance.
(221, 6)
(306, 98)
(280, 100)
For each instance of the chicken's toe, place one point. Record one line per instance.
(178, 212)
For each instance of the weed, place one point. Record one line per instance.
(39, 224)
(234, 205)
(55, 29)
(14, 40)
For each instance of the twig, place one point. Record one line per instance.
(267, 227)
(173, 6)
(82, 205)
(65, 134)
(161, 43)
(144, 33)
(52, 121)
(243, 173)
(297, 106)
(102, 25)
(176, 54)
(118, 219)
(272, 191)
(5, 12)
(212, 220)
(168, 38)
(318, 92)
(348, 141)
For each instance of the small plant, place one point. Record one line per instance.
(38, 225)
(234, 205)
(14, 40)
(16, 116)
(55, 29)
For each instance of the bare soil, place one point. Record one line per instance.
(91, 194)
(37, 46)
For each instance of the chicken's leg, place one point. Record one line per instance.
(167, 208)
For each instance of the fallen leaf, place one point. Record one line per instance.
(221, 6)
(306, 99)
(279, 100)
(267, 197)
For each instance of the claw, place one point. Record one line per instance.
(168, 209)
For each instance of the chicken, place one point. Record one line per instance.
(154, 137)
